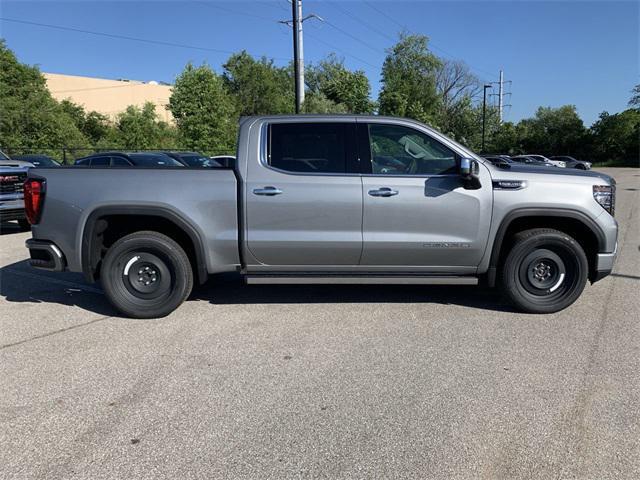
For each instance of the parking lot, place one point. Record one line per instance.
(321, 381)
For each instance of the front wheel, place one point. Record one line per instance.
(545, 271)
(146, 275)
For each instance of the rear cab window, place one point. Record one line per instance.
(312, 148)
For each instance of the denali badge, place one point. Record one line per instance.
(446, 245)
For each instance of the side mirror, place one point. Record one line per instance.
(470, 172)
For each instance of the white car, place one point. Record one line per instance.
(542, 158)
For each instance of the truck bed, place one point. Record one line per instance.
(204, 199)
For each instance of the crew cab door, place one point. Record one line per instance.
(417, 212)
(304, 196)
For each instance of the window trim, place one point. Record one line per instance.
(353, 164)
(366, 164)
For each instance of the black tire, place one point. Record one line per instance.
(545, 271)
(24, 225)
(146, 275)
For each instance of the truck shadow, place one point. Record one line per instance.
(21, 283)
(229, 289)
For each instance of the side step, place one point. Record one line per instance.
(359, 280)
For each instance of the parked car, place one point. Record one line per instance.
(542, 158)
(131, 159)
(37, 160)
(328, 199)
(12, 205)
(571, 162)
(499, 160)
(529, 160)
(228, 161)
(193, 159)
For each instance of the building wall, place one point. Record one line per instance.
(109, 97)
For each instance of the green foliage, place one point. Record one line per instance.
(204, 111)
(409, 80)
(258, 87)
(331, 79)
(318, 103)
(94, 126)
(616, 138)
(29, 116)
(139, 128)
(634, 101)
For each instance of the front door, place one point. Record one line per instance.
(304, 199)
(417, 212)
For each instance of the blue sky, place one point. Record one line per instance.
(555, 53)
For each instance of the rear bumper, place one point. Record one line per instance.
(12, 213)
(604, 264)
(46, 255)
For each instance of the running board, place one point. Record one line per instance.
(359, 280)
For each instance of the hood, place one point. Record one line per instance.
(15, 163)
(570, 172)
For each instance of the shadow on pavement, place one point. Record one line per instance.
(21, 283)
(229, 289)
(7, 228)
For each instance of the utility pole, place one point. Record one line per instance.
(500, 95)
(484, 112)
(298, 65)
(298, 48)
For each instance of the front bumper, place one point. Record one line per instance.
(604, 264)
(45, 255)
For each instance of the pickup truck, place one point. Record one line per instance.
(13, 173)
(324, 199)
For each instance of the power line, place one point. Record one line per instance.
(339, 50)
(431, 44)
(362, 22)
(344, 32)
(122, 37)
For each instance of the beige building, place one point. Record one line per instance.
(109, 97)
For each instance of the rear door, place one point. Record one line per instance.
(416, 211)
(304, 196)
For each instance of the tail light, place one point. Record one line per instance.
(33, 199)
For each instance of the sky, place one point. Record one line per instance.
(554, 52)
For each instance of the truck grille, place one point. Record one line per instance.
(12, 182)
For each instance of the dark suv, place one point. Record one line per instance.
(133, 159)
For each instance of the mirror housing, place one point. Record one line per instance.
(470, 173)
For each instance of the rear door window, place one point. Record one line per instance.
(312, 147)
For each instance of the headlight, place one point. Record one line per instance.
(562, 164)
(605, 195)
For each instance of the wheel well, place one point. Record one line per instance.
(107, 229)
(584, 235)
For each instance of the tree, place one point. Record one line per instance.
(95, 126)
(409, 80)
(203, 110)
(258, 86)
(317, 102)
(138, 128)
(634, 101)
(29, 117)
(457, 88)
(553, 131)
(331, 79)
(616, 138)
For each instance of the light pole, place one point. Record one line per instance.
(484, 113)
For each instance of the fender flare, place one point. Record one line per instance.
(537, 212)
(90, 226)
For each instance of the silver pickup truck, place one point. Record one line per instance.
(327, 199)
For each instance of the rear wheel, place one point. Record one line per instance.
(146, 275)
(545, 271)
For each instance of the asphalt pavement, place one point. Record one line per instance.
(321, 381)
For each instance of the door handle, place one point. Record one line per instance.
(267, 191)
(383, 192)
